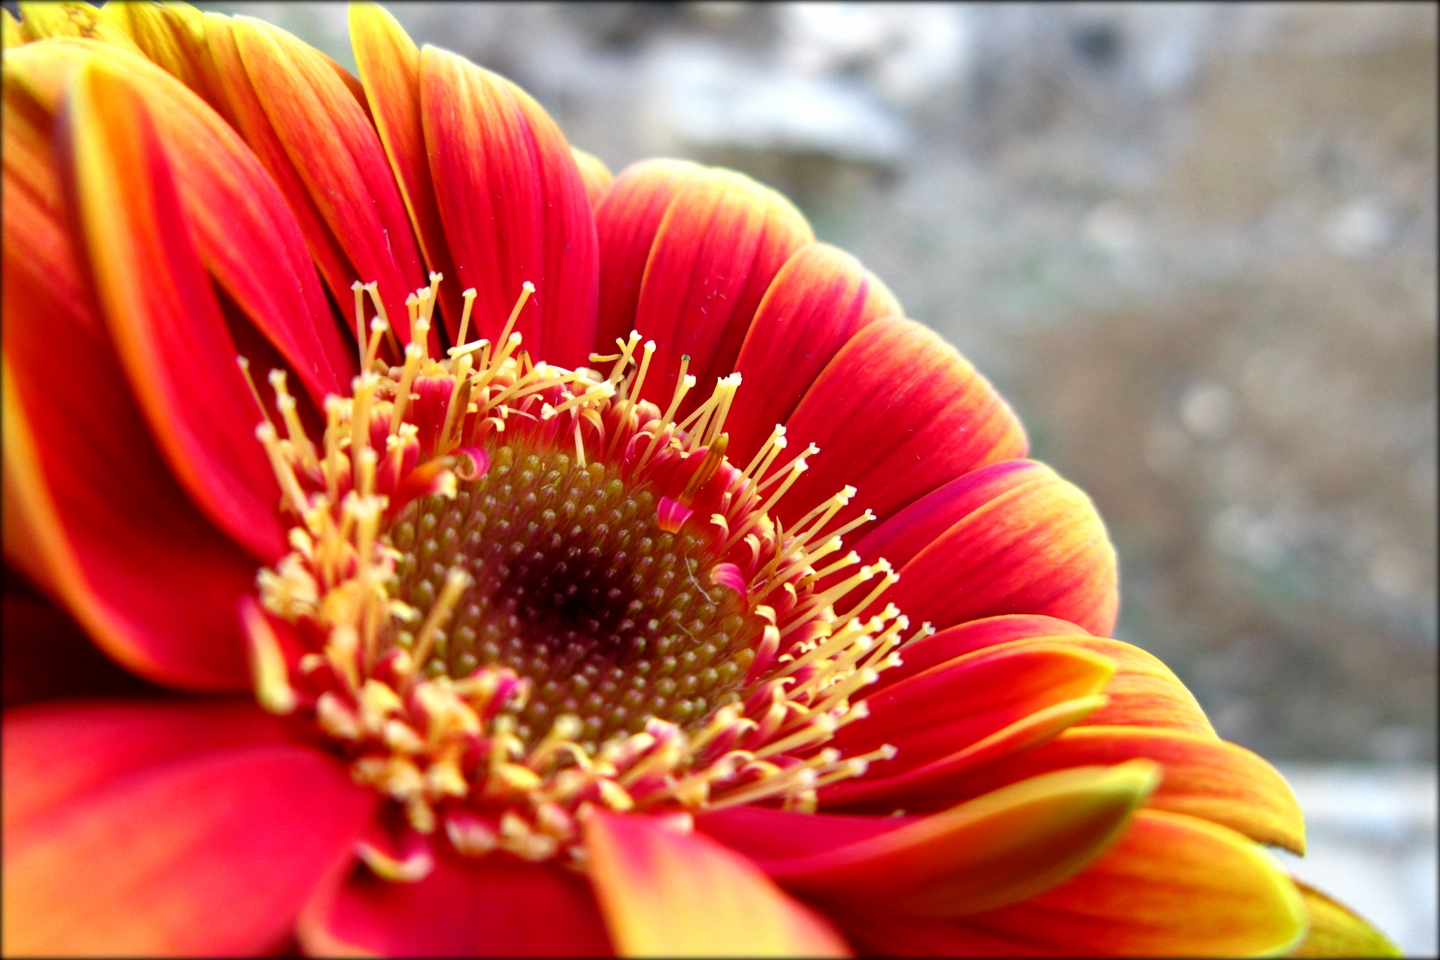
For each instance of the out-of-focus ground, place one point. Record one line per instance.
(1194, 244)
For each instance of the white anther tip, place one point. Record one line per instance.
(528, 286)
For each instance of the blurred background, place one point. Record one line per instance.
(1194, 245)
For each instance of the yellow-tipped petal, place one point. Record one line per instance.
(41, 20)
(664, 893)
(596, 175)
(983, 854)
(1336, 931)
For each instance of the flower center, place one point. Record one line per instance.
(518, 592)
(576, 588)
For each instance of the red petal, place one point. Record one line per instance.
(897, 413)
(951, 706)
(331, 145)
(102, 524)
(764, 833)
(211, 853)
(494, 907)
(626, 222)
(666, 893)
(163, 315)
(1026, 541)
(1204, 777)
(926, 652)
(389, 64)
(61, 753)
(598, 178)
(1172, 886)
(994, 850)
(817, 301)
(514, 206)
(721, 243)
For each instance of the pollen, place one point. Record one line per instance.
(517, 593)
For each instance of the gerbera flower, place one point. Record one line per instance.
(612, 568)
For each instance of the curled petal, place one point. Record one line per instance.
(896, 413)
(666, 893)
(992, 851)
(1011, 538)
(513, 205)
(472, 463)
(817, 301)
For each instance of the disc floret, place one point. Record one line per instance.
(517, 592)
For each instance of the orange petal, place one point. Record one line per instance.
(991, 851)
(721, 243)
(1337, 931)
(498, 906)
(1026, 541)
(625, 223)
(817, 301)
(1204, 777)
(897, 413)
(333, 148)
(666, 893)
(163, 316)
(211, 853)
(68, 19)
(389, 64)
(957, 704)
(513, 205)
(596, 175)
(1172, 886)
(92, 513)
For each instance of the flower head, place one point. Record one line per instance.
(552, 563)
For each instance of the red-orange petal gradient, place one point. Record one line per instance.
(334, 150)
(817, 301)
(164, 320)
(203, 850)
(664, 893)
(496, 907)
(243, 228)
(513, 205)
(721, 242)
(1011, 538)
(1205, 777)
(626, 221)
(896, 413)
(389, 65)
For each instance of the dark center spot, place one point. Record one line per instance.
(577, 588)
